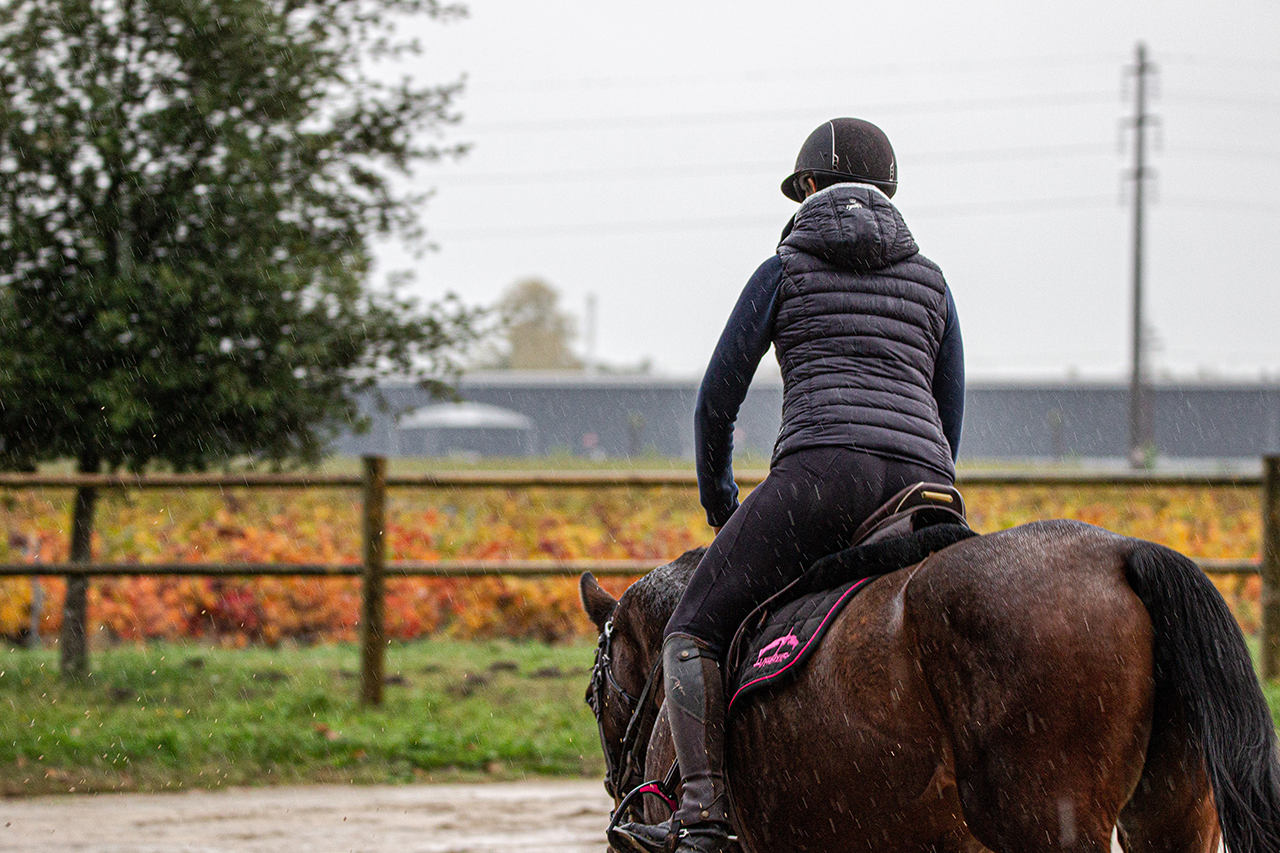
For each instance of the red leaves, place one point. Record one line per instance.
(295, 526)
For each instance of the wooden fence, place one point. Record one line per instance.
(374, 567)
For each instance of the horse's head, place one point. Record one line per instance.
(626, 688)
(620, 678)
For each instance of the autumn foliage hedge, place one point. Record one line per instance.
(296, 525)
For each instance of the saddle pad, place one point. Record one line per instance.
(790, 628)
(789, 636)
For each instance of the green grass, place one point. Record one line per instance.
(168, 716)
(1271, 689)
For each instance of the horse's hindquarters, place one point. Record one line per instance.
(1039, 657)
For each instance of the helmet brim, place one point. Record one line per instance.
(791, 189)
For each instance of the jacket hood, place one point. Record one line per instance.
(854, 226)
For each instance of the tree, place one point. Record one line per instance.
(188, 189)
(534, 333)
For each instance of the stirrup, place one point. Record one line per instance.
(628, 839)
(643, 838)
(664, 838)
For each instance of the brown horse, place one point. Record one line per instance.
(1027, 690)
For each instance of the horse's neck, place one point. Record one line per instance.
(654, 598)
(648, 629)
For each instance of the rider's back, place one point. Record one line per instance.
(860, 316)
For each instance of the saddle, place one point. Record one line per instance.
(782, 633)
(912, 509)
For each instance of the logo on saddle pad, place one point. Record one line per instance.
(778, 651)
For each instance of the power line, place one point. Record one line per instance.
(992, 207)
(997, 207)
(1226, 153)
(1212, 100)
(1004, 155)
(893, 69)
(1007, 102)
(712, 170)
(791, 73)
(951, 210)
(768, 167)
(586, 176)
(1232, 63)
(589, 229)
(1232, 206)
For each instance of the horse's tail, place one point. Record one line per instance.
(1201, 660)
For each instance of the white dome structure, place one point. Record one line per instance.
(464, 428)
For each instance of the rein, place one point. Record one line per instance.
(627, 781)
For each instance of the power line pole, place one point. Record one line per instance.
(1141, 426)
(589, 360)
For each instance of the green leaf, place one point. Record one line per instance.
(187, 196)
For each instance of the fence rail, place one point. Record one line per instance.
(394, 568)
(374, 568)
(599, 479)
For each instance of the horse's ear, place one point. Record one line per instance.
(598, 603)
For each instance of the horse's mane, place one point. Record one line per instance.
(656, 595)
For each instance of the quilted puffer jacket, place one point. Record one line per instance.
(859, 319)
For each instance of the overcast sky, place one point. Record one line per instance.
(634, 151)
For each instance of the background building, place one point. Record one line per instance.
(609, 416)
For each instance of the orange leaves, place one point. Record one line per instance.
(15, 605)
(1199, 522)
(299, 526)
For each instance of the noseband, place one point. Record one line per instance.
(626, 779)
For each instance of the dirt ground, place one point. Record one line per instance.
(492, 817)
(531, 817)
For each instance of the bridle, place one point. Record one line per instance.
(624, 775)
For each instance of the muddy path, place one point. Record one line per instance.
(531, 817)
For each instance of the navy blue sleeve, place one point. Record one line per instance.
(745, 340)
(948, 379)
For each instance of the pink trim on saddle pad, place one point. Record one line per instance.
(817, 633)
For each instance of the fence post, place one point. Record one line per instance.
(375, 564)
(1271, 567)
(74, 638)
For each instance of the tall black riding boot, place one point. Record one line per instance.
(695, 706)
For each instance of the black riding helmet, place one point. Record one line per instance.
(845, 149)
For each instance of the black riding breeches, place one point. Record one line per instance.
(809, 506)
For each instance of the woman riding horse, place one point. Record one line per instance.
(866, 335)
